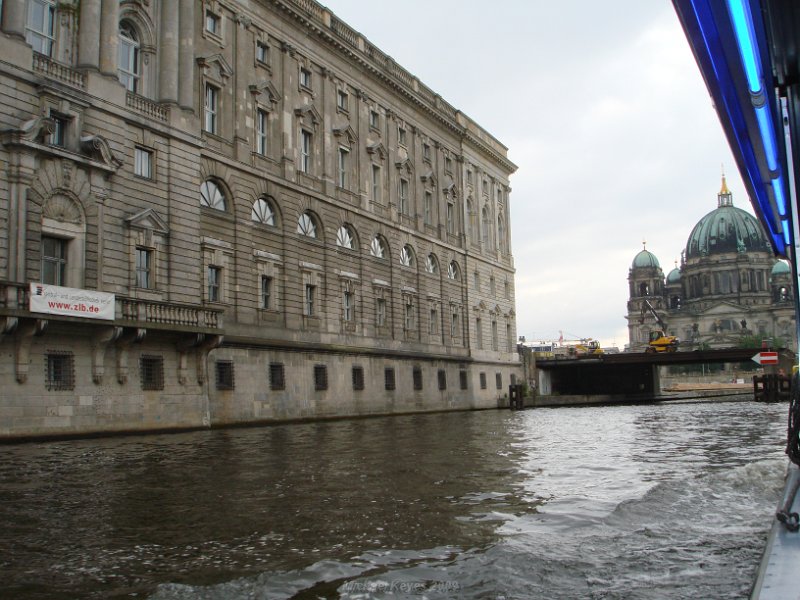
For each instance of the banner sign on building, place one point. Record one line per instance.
(71, 302)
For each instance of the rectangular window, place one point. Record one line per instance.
(509, 341)
(151, 371)
(214, 275)
(210, 109)
(450, 218)
(469, 176)
(374, 119)
(426, 152)
(347, 306)
(309, 306)
(409, 314)
(388, 378)
(376, 183)
(479, 333)
(320, 377)
(305, 151)
(213, 23)
(305, 78)
(343, 154)
(143, 163)
(403, 202)
(144, 276)
(494, 335)
(224, 374)
(462, 379)
(476, 281)
(416, 375)
(262, 52)
(442, 379)
(262, 121)
(358, 378)
(428, 208)
(54, 260)
(401, 136)
(40, 25)
(498, 381)
(342, 100)
(507, 290)
(266, 291)
(483, 381)
(492, 287)
(434, 323)
(448, 165)
(380, 312)
(59, 135)
(60, 371)
(454, 325)
(276, 378)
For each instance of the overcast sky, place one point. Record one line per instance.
(604, 112)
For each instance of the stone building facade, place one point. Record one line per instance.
(728, 289)
(281, 221)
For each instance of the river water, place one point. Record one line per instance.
(637, 501)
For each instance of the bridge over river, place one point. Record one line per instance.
(628, 376)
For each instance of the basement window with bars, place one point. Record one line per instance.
(151, 372)
(442, 376)
(320, 377)
(224, 378)
(388, 378)
(276, 377)
(59, 371)
(462, 378)
(483, 381)
(358, 378)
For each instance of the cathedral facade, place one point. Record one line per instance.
(728, 289)
(223, 211)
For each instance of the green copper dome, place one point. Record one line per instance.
(674, 276)
(645, 259)
(726, 229)
(781, 268)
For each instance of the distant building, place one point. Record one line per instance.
(729, 286)
(230, 212)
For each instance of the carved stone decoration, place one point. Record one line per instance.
(265, 87)
(63, 209)
(100, 343)
(97, 145)
(379, 149)
(224, 69)
(206, 346)
(32, 130)
(22, 345)
(184, 348)
(124, 342)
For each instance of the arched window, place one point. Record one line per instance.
(345, 237)
(431, 264)
(407, 256)
(212, 196)
(453, 271)
(378, 247)
(263, 212)
(128, 57)
(306, 225)
(486, 224)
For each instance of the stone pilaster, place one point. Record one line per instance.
(89, 34)
(21, 170)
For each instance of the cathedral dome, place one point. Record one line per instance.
(674, 276)
(781, 268)
(726, 229)
(645, 259)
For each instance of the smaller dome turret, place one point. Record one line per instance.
(780, 268)
(674, 276)
(645, 259)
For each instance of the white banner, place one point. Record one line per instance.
(71, 302)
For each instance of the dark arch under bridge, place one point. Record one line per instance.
(630, 374)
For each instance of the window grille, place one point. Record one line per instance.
(59, 371)
(225, 375)
(276, 377)
(320, 377)
(442, 377)
(388, 378)
(151, 369)
(358, 378)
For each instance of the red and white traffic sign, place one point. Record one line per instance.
(766, 358)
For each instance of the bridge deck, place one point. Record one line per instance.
(725, 355)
